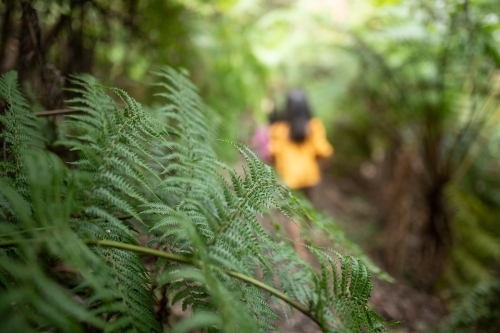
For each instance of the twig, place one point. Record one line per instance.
(55, 112)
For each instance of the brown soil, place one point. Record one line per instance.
(418, 310)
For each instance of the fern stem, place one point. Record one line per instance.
(271, 290)
(174, 257)
(192, 262)
(141, 249)
(196, 263)
(28, 230)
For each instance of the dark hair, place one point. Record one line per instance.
(274, 116)
(298, 115)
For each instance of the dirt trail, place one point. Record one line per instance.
(398, 301)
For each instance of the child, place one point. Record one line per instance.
(297, 143)
(295, 146)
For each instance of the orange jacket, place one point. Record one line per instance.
(297, 162)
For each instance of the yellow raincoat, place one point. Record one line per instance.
(297, 163)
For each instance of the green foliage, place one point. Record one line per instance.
(475, 225)
(426, 94)
(106, 39)
(70, 234)
(479, 310)
(106, 30)
(21, 133)
(443, 57)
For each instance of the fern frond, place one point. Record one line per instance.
(137, 176)
(478, 310)
(38, 297)
(479, 246)
(21, 133)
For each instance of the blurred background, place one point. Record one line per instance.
(408, 90)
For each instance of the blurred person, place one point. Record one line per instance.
(298, 143)
(296, 146)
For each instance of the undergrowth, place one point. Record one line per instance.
(148, 187)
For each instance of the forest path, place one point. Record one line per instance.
(341, 199)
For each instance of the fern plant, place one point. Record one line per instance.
(69, 232)
(479, 310)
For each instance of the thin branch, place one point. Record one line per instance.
(55, 112)
(64, 20)
(64, 111)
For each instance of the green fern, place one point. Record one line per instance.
(21, 133)
(477, 248)
(478, 312)
(136, 175)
